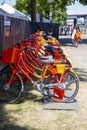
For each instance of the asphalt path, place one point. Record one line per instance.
(78, 55)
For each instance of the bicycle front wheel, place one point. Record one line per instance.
(9, 94)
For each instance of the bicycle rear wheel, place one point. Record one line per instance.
(68, 90)
(9, 94)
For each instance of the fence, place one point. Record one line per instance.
(47, 27)
(14, 30)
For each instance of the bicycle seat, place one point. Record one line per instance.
(49, 48)
(48, 57)
(48, 61)
(56, 47)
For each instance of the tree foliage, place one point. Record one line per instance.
(58, 9)
(84, 2)
(23, 6)
(43, 7)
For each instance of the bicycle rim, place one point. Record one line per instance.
(14, 91)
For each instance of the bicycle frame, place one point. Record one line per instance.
(29, 58)
(23, 63)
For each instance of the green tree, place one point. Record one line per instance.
(43, 7)
(84, 2)
(59, 10)
(27, 7)
(23, 6)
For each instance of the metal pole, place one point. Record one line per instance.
(50, 14)
(50, 11)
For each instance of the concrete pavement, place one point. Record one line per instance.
(78, 56)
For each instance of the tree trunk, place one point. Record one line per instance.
(33, 9)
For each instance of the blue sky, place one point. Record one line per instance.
(10, 2)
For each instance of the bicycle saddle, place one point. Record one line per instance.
(49, 48)
(47, 59)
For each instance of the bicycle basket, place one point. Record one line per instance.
(10, 55)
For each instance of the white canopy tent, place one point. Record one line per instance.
(9, 11)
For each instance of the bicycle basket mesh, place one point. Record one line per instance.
(10, 55)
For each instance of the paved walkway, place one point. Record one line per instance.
(78, 55)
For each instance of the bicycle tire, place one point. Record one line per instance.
(75, 44)
(14, 91)
(70, 92)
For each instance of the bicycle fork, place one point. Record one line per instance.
(8, 84)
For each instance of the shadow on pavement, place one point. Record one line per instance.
(82, 74)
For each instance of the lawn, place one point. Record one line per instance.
(28, 113)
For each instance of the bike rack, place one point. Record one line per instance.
(72, 105)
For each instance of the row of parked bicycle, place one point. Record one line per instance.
(41, 60)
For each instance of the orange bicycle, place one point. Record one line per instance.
(55, 81)
(76, 39)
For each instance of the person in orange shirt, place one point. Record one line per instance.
(76, 36)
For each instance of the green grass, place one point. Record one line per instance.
(27, 113)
